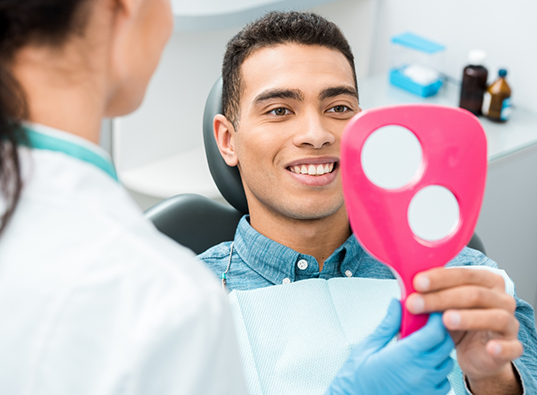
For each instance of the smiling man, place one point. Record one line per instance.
(292, 110)
(289, 89)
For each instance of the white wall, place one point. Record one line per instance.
(505, 29)
(170, 119)
(356, 19)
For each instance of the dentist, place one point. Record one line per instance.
(93, 300)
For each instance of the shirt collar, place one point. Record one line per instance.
(47, 138)
(279, 264)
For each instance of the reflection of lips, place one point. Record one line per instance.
(316, 180)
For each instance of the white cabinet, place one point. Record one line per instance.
(508, 220)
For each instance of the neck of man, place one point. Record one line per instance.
(316, 237)
(60, 91)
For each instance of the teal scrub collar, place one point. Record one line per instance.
(43, 141)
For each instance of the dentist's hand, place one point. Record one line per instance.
(418, 364)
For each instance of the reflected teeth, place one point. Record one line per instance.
(313, 170)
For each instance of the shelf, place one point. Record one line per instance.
(186, 172)
(220, 14)
(504, 139)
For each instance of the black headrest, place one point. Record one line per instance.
(226, 178)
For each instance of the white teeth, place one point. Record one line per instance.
(313, 170)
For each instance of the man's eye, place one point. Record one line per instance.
(280, 111)
(339, 109)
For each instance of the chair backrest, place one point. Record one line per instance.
(200, 223)
(476, 243)
(226, 178)
(195, 221)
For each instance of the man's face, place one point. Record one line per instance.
(295, 104)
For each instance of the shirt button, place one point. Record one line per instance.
(302, 264)
(286, 281)
(348, 273)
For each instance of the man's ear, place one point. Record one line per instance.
(224, 133)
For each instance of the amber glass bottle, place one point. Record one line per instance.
(474, 82)
(497, 100)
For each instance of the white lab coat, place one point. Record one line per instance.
(94, 300)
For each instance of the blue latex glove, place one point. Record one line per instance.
(417, 364)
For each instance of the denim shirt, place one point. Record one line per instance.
(257, 261)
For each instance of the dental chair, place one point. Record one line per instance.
(195, 221)
(198, 222)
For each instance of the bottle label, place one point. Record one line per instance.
(506, 109)
(486, 103)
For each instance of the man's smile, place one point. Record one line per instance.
(313, 166)
(312, 170)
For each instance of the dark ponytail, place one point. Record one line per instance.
(23, 22)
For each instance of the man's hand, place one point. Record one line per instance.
(480, 317)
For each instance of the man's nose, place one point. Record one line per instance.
(313, 132)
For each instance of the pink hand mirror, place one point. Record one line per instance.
(413, 179)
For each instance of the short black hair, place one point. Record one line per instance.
(274, 28)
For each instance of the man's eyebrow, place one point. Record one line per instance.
(294, 94)
(338, 90)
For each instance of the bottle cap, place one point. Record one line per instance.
(476, 57)
(502, 72)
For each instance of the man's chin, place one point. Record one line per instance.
(298, 207)
(311, 214)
